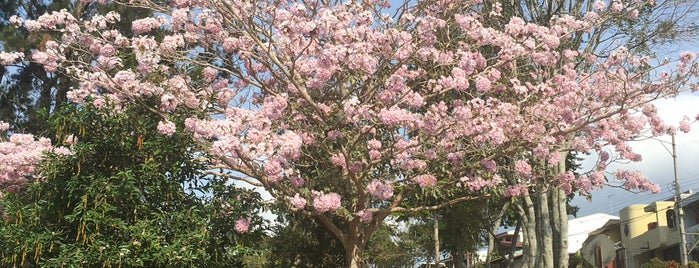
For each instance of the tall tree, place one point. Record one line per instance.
(639, 26)
(27, 91)
(125, 200)
(346, 113)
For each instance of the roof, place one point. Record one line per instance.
(579, 229)
(689, 199)
(610, 224)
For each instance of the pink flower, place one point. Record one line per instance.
(599, 4)
(16, 20)
(523, 168)
(298, 201)
(98, 102)
(489, 164)
(338, 159)
(686, 57)
(516, 190)
(18, 157)
(482, 83)
(242, 225)
(273, 170)
(274, 106)
(296, 180)
(168, 102)
(566, 180)
(4, 126)
(635, 180)
(166, 127)
(365, 215)
(374, 144)
(143, 25)
(616, 7)
(289, 145)
(326, 202)
(382, 190)
(425, 180)
(209, 73)
(477, 183)
(334, 134)
(374, 155)
(7, 58)
(409, 164)
(685, 125)
(396, 116)
(633, 14)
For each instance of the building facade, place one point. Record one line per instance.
(643, 232)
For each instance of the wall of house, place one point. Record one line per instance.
(645, 233)
(634, 221)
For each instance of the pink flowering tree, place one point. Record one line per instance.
(346, 112)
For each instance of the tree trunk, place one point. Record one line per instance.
(460, 258)
(559, 217)
(491, 237)
(354, 257)
(544, 230)
(354, 239)
(530, 253)
(513, 246)
(491, 245)
(560, 224)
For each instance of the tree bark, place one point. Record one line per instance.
(559, 215)
(460, 258)
(491, 245)
(560, 224)
(354, 256)
(513, 246)
(544, 230)
(494, 228)
(530, 244)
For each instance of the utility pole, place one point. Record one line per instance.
(678, 207)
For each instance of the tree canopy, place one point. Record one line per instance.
(351, 111)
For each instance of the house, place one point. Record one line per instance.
(600, 248)
(578, 231)
(644, 231)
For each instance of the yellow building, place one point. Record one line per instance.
(648, 231)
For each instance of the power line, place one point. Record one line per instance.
(693, 183)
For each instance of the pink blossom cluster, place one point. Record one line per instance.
(425, 180)
(382, 190)
(7, 58)
(516, 190)
(19, 156)
(166, 128)
(298, 202)
(478, 183)
(326, 202)
(588, 182)
(635, 180)
(365, 215)
(523, 168)
(242, 225)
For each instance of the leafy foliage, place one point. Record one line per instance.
(658, 263)
(134, 200)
